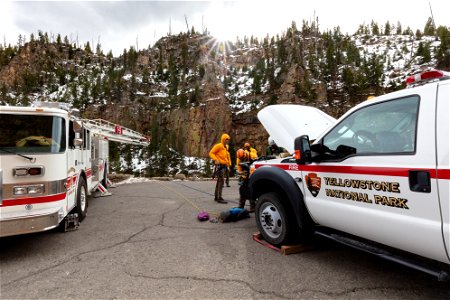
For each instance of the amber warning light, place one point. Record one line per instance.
(425, 76)
(297, 154)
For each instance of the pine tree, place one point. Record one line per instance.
(128, 159)
(109, 56)
(443, 51)
(424, 52)
(173, 73)
(387, 28)
(98, 49)
(184, 57)
(87, 48)
(399, 28)
(429, 29)
(114, 157)
(375, 28)
(418, 34)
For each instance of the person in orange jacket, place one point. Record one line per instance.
(243, 156)
(220, 156)
(251, 151)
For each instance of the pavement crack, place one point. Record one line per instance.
(197, 278)
(78, 256)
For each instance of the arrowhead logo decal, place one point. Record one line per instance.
(313, 182)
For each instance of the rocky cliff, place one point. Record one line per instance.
(186, 90)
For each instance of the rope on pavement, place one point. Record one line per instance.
(216, 215)
(198, 190)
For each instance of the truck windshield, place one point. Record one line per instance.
(32, 134)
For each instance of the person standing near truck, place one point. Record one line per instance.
(243, 157)
(220, 156)
(251, 151)
(274, 150)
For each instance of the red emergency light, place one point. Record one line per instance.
(425, 76)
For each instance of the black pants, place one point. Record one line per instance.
(227, 176)
(244, 194)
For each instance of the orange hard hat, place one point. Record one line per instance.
(240, 153)
(246, 145)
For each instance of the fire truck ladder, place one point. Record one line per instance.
(115, 133)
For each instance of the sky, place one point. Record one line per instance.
(120, 24)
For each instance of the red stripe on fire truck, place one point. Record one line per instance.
(33, 200)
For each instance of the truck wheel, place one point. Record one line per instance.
(272, 219)
(82, 201)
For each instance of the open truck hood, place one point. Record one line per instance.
(285, 122)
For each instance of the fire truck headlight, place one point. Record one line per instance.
(29, 190)
(20, 190)
(36, 189)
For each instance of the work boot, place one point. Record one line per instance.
(221, 200)
(241, 203)
(252, 207)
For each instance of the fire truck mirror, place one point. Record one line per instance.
(78, 142)
(77, 126)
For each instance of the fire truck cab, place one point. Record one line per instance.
(50, 161)
(375, 179)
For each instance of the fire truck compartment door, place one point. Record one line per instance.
(285, 122)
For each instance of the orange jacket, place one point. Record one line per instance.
(229, 157)
(219, 151)
(253, 153)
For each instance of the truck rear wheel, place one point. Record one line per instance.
(82, 201)
(275, 224)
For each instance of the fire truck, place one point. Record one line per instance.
(51, 160)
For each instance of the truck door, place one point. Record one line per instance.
(87, 155)
(73, 156)
(375, 174)
(95, 158)
(443, 167)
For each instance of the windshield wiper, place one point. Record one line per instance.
(31, 159)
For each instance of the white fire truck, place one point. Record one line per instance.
(50, 161)
(377, 179)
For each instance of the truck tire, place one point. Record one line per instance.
(274, 223)
(82, 201)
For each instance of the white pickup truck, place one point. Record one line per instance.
(376, 179)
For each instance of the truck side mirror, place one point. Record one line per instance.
(77, 126)
(302, 149)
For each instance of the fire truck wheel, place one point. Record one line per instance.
(275, 224)
(82, 201)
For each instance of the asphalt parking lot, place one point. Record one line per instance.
(145, 242)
